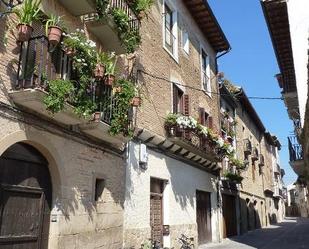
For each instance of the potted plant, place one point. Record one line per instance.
(110, 70)
(97, 116)
(28, 13)
(99, 70)
(141, 7)
(53, 29)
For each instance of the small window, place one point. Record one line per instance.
(99, 188)
(205, 73)
(185, 41)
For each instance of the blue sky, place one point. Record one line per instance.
(252, 64)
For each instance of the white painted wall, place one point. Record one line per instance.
(179, 194)
(299, 28)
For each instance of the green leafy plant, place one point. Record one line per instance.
(53, 20)
(120, 119)
(171, 119)
(28, 12)
(101, 7)
(234, 177)
(237, 163)
(142, 6)
(121, 19)
(110, 64)
(131, 40)
(59, 92)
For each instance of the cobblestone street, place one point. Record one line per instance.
(290, 234)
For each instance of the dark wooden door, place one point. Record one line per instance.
(156, 210)
(25, 198)
(203, 217)
(229, 216)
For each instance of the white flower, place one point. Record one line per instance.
(92, 44)
(220, 142)
(77, 30)
(82, 31)
(78, 60)
(230, 149)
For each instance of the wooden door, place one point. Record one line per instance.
(229, 216)
(25, 198)
(203, 217)
(156, 210)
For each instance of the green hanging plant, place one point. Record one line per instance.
(59, 91)
(120, 119)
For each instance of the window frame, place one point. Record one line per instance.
(174, 29)
(185, 45)
(205, 71)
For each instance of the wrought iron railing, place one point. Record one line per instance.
(295, 149)
(38, 65)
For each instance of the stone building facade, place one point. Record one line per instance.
(81, 177)
(176, 67)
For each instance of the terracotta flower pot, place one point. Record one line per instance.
(99, 71)
(69, 51)
(109, 80)
(54, 35)
(24, 32)
(136, 101)
(141, 15)
(97, 116)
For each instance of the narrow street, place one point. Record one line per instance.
(291, 234)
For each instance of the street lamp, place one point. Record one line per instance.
(10, 4)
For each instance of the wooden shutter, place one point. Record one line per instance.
(202, 116)
(175, 95)
(186, 105)
(210, 122)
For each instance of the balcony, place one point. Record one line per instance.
(227, 127)
(194, 142)
(296, 156)
(105, 28)
(80, 7)
(36, 67)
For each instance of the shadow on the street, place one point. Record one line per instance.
(259, 238)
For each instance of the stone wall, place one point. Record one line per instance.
(154, 59)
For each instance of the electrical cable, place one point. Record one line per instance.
(202, 90)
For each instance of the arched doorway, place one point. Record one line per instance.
(25, 198)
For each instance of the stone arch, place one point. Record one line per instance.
(44, 146)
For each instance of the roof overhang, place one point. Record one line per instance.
(276, 15)
(207, 22)
(227, 96)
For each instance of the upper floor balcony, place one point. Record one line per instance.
(49, 84)
(227, 126)
(115, 24)
(296, 156)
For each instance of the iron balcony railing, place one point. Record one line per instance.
(295, 149)
(37, 65)
(134, 23)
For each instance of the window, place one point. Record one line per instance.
(185, 41)
(205, 73)
(170, 30)
(205, 119)
(99, 188)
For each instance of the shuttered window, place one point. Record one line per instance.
(178, 100)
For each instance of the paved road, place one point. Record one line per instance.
(291, 234)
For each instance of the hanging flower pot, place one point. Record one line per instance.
(99, 71)
(136, 101)
(141, 15)
(24, 32)
(54, 35)
(109, 79)
(97, 116)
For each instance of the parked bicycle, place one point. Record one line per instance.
(186, 242)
